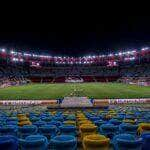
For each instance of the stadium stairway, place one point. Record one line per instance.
(76, 102)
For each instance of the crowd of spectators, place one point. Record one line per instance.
(12, 81)
(15, 74)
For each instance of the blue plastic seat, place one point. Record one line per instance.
(58, 118)
(142, 121)
(8, 142)
(68, 130)
(132, 117)
(34, 142)
(48, 130)
(146, 141)
(39, 123)
(45, 114)
(99, 122)
(9, 130)
(71, 117)
(108, 130)
(121, 115)
(63, 142)
(34, 119)
(57, 123)
(3, 119)
(46, 119)
(27, 130)
(88, 115)
(115, 121)
(128, 128)
(12, 119)
(12, 123)
(94, 118)
(31, 114)
(127, 142)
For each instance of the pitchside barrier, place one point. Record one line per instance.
(29, 102)
(100, 102)
(129, 101)
(107, 102)
(95, 102)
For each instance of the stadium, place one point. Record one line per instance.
(117, 75)
(64, 102)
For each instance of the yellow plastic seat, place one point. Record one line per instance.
(108, 116)
(83, 118)
(70, 122)
(22, 123)
(21, 115)
(84, 122)
(80, 118)
(101, 111)
(87, 129)
(23, 119)
(80, 115)
(113, 113)
(143, 127)
(96, 142)
(129, 121)
(53, 112)
(130, 113)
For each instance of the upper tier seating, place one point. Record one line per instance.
(58, 73)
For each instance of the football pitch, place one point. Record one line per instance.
(60, 90)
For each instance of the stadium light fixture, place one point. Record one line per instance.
(15, 59)
(128, 52)
(3, 50)
(134, 51)
(120, 54)
(74, 60)
(21, 60)
(12, 52)
(145, 48)
(110, 55)
(128, 59)
(26, 54)
(102, 55)
(34, 55)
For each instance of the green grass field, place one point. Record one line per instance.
(91, 90)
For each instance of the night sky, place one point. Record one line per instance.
(82, 38)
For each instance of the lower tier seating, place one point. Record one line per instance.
(37, 128)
